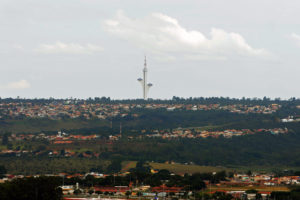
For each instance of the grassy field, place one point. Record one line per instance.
(29, 166)
(258, 188)
(209, 127)
(176, 168)
(181, 168)
(39, 125)
(127, 165)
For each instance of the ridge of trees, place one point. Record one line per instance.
(45, 188)
(174, 99)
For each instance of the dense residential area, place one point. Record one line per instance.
(87, 110)
(142, 181)
(194, 133)
(175, 149)
(58, 144)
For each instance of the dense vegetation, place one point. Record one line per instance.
(45, 188)
(294, 194)
(29, 165)
(175, 99)
(261, 151)
(141, 175)
(252, 150)
(153, 119)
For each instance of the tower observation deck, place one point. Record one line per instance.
(146, 86)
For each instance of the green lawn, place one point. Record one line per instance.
(176, 168)
(127, 165)
(181, 168)
(39, 125)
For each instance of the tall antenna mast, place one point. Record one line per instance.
(146, 86)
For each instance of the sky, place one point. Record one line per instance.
(194, 48)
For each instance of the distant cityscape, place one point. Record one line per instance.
(74, 109)
(267, 183)
(89, 145)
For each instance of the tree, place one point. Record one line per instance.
(5, 138)
(196, 182)
(258, 196)
(62, 152)
(249, 173)
(90, 180)
(98, 169)
(114, 167)
(171, 194)
(77, 191)
(141, 166)
(222, 196)
(9, 146)
(295, 193)
(230, 174)
(280, 195)
(99, 192)
(41, 147)
(202, 196)
(164, 174)
(91, 191)
(45, 188)
(128, 193)
(252, 191)
(2, 171)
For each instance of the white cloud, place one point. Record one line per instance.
(22, 84)
(296, 38)
(163, 35)
(68, 48)
(17, 46)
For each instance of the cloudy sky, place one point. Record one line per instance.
(88, 48)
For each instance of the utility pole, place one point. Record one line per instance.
(120, 129)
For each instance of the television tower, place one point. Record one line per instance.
(146, 86)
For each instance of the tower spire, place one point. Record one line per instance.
(143, 80)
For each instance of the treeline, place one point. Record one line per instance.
(188, 182)
(210, 120)
(200, 100)
(174, 99)
(262, 149)
(46, 188)
(141, 175)
(160, 118)
(294, 194)
(44, 165)
(150, 120)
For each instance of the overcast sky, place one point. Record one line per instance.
(88, 48)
